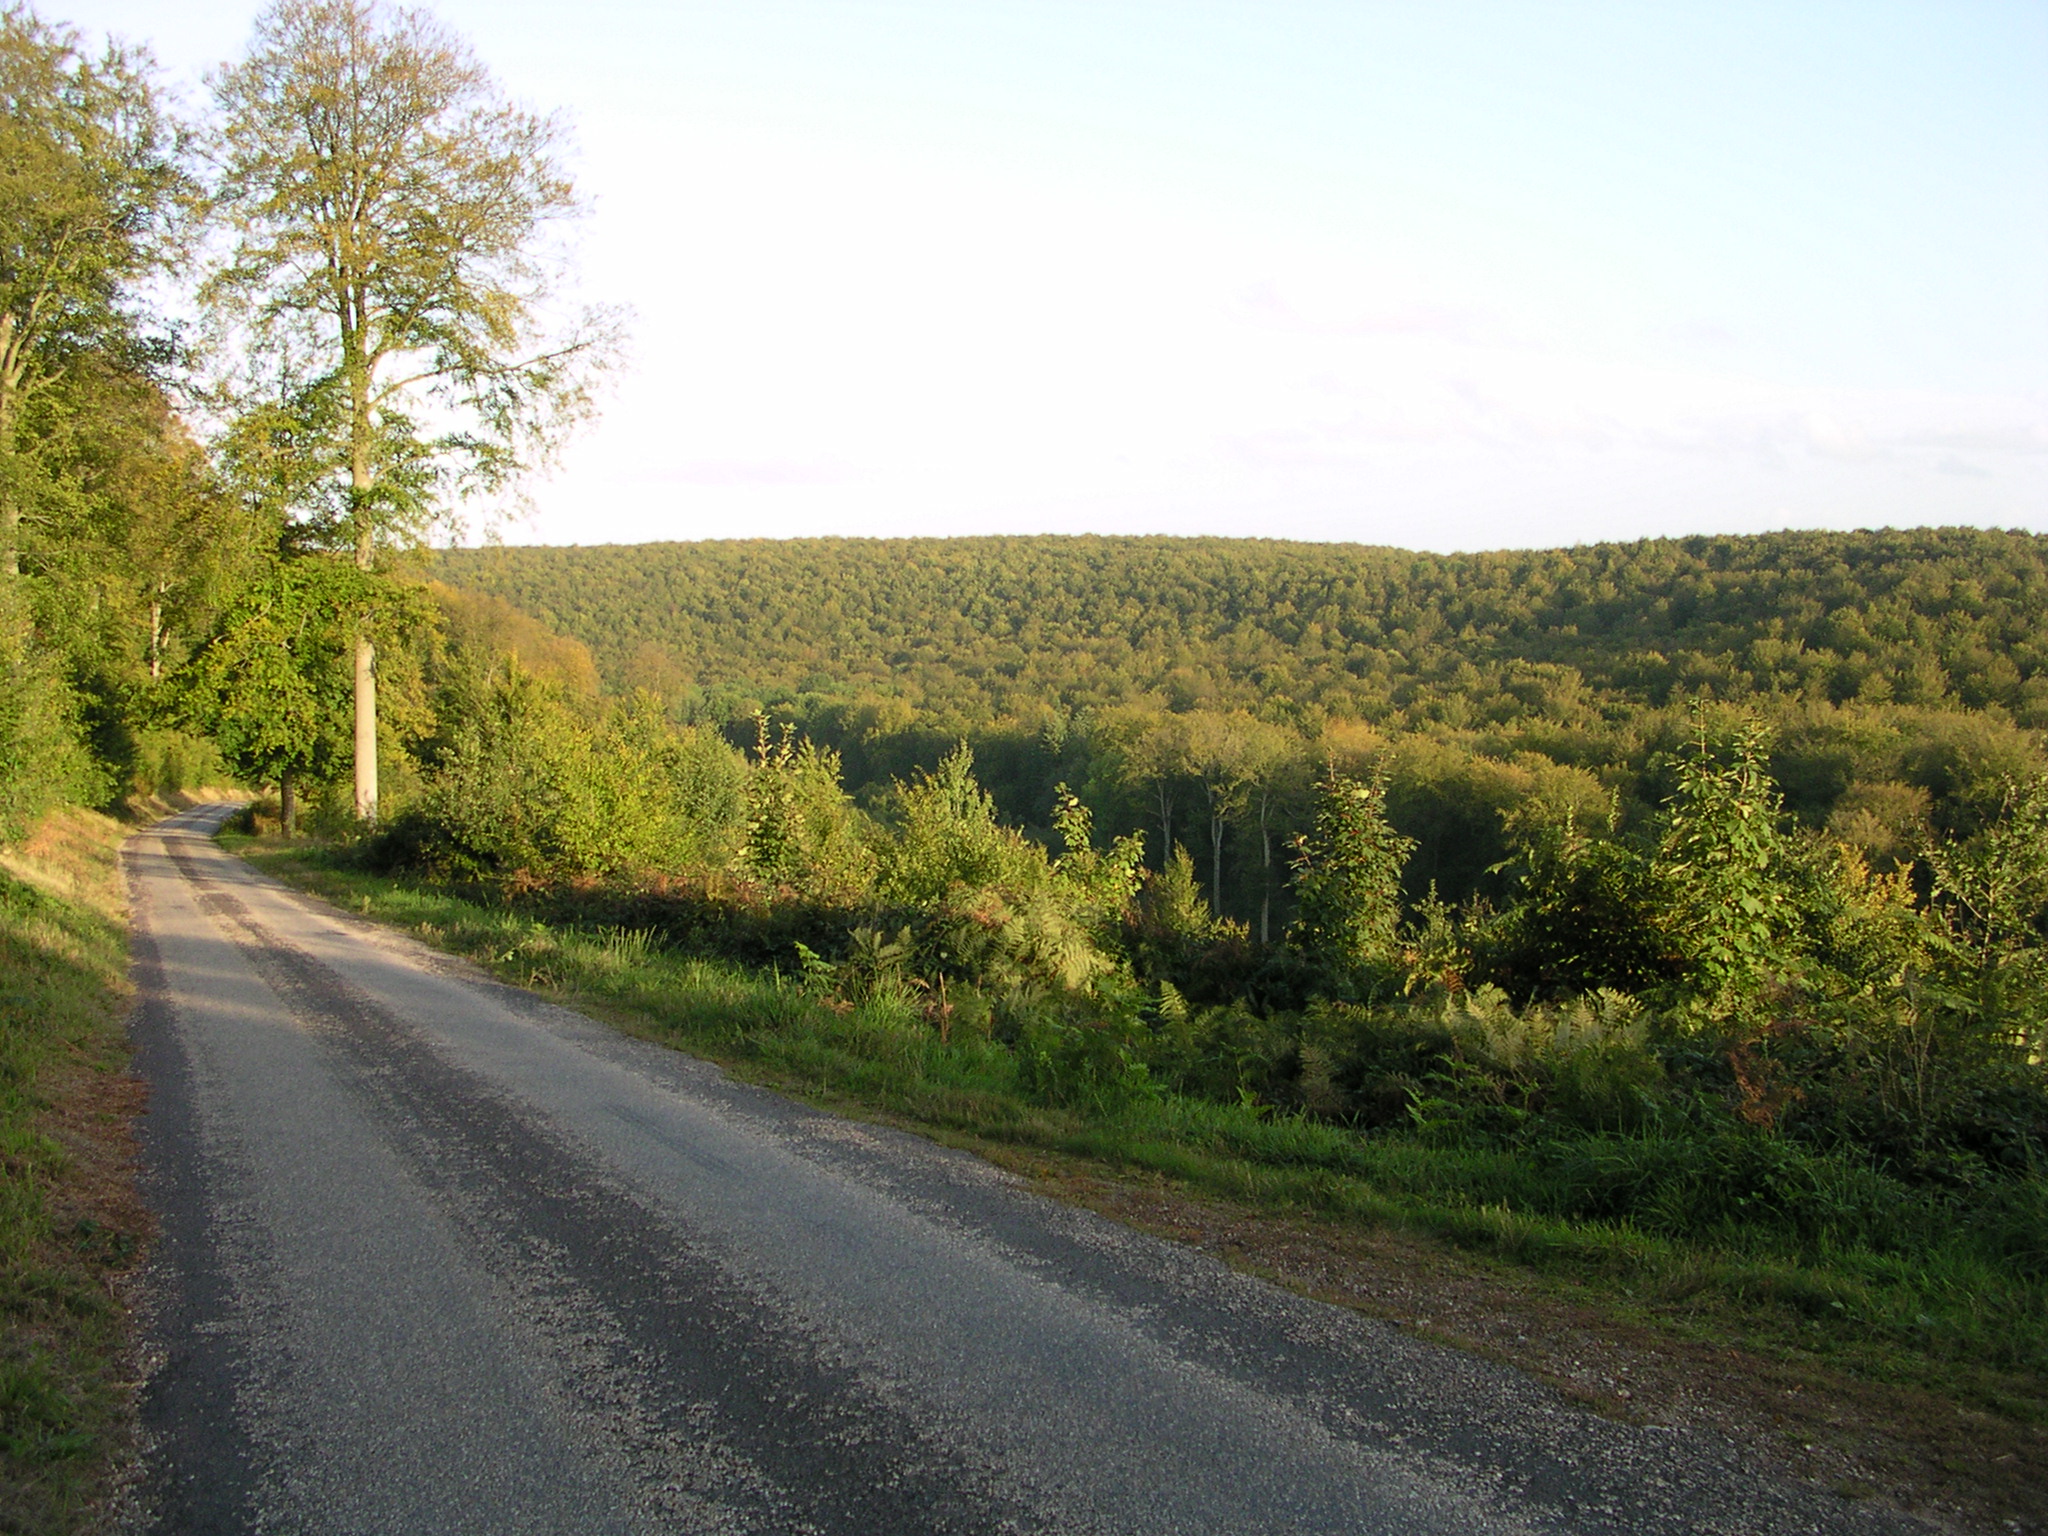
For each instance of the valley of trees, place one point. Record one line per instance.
(1189, 686)
(1696, 887)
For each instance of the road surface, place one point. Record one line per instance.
(440, 1257)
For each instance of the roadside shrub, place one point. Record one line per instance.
(1172, 936)
(1069, 1056)
(167, 761)
(1729, 1183)
(43, 758)
(1584, 918)
(1347, 882)
(1226, 1053)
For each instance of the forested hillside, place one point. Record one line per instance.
(1188, 685)
(973, 629)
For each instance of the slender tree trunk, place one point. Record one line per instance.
(1266, 866)
(361, 479)
(366, 729)
(10, 508)
(1215, 860)
(1266, 888)
(288, 803)
(156, 634)
(1165, 825)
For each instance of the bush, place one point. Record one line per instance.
(1068, 1055)
(43, 758)
(167, 761)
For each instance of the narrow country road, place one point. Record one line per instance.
(440, 1257)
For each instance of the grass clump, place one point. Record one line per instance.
(69, 1222)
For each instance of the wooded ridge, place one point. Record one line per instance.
(974, 628)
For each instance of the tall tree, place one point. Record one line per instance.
(1213, 749)
(1274, 773)
(90, 198)
(1147, 754)
(391, 277)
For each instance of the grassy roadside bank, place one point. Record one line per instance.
(71, 1223)
(1919, 1376)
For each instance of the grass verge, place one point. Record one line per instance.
(71, 1224)
(1919, 1376)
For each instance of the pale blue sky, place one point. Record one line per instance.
(1434, 274)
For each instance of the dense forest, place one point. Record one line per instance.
(972, 629)
(1900, 669)
(1758, 970)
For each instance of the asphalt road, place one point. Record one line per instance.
(440, 1257)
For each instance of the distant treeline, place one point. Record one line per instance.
(1190, 686)
(968, 630)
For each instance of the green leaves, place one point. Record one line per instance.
(271, 685)
(1723, 867)
(387, 205)
(1348, 877)
(802, 833)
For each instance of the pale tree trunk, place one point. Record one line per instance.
(11, 360)
(360, 480)
(156, 634)
(1215, 854)
(1266, 864)
(366, 729)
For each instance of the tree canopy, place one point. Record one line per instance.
(388, 275)
(978, 628)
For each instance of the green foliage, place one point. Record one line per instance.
(1348, 878)
(1068, 1058)
(42, 758)
(1000, 911)
(1176, 940)
(90, 192)
(1100, 882)
(1175, 922)
(1994, 887)
(270, 685)
(948, 838)
(522, 781)
(1185, 685)
(169, 762)
(1723, 869)
(1468, 812)
(981, 629)
(1585, 916)
(1992, 894)
(802, 832)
